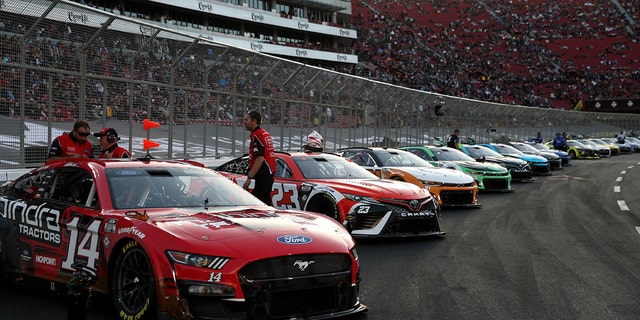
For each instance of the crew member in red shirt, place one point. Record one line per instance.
(109, 138)
(262, 158)
(73, 144)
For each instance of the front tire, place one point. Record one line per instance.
(133, 285)
(325, 205)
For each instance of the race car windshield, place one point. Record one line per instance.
(479, 152)
(174, 187)
(450, 155)
(331, 168)
(402, 159)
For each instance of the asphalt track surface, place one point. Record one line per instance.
(566, 246)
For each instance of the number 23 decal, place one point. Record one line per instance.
(285, 196)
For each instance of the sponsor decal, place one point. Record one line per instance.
(302, 265)
(294, 239)
(146, 30)
(257, 46)
(50, 261)
(301, 52)
(345, 32)
(205, 6)
(110, 225)
(257, 17)
(36, 222)
(341, 57)
(303, 25)
(132, 231)
(416, 214)
(78, 17)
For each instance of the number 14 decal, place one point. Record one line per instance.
(86, 247)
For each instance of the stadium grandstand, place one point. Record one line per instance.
(536, 53)
(200, 67)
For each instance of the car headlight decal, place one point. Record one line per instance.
(198, 260)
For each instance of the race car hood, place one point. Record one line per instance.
(260, 230)
(477, 166)
(376, 188)
(439, 175)
(529, 158)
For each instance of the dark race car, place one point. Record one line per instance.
(170, 240)
(365, 204)
(519, 169)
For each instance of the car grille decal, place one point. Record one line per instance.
(218, 263)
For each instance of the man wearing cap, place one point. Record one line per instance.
(73, 144)
(262, 158)
(108, 138)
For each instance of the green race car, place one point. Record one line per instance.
(489, 176)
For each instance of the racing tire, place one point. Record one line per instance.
(572, 154)
(133, 285)
(325, 205)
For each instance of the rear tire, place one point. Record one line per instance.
(133, 285)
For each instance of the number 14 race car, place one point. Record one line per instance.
(172, 240)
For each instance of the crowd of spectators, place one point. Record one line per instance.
(534, 53)
(491, 50)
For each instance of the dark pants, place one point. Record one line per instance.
(262, 188)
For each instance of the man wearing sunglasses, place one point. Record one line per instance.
(73, 144)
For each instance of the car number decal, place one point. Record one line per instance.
(285, 196)
(86, 247)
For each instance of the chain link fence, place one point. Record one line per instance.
(62, 62)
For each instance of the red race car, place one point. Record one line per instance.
(329, 184)
(168, 239)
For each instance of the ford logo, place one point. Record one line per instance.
(294, 239)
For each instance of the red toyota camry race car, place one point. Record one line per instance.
(365, 204)
(171, 240)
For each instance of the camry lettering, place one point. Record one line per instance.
(294, 239)
(417, 214)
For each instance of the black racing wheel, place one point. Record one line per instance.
(133, 285)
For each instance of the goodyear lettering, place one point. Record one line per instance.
(132, 230)
(136, 316)
(303, 25)
(345, 32)
(38, 222)
(341, 57)
(301, 52)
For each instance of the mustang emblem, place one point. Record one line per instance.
(302, 265)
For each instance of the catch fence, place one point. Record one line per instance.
(63, 62)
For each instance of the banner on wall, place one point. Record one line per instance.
(612, 105)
